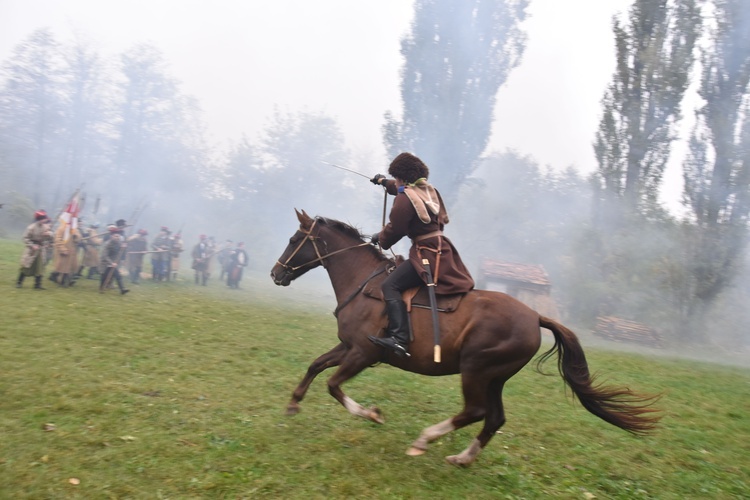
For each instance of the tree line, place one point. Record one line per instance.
(125, 129)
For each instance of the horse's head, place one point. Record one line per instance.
(320, 241)
(299, 256)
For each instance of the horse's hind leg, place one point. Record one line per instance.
(475, 394)
(493, 420)
(330, 359)
(429, 435)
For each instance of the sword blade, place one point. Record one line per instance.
(344, 168)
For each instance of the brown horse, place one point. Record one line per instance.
(487, 339)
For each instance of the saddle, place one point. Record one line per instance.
(419, 297)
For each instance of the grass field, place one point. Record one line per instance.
(179, 391)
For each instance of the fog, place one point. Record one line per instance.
(265, 93)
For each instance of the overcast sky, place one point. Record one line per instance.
(341, 57)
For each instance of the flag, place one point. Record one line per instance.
(69, 216)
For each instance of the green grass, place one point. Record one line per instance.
(178, 391)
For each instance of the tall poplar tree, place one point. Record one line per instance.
(642, 105)
(717, 170)
(456, 57)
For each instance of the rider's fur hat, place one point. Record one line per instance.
(408, 168)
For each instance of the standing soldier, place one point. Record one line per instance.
(223, 257)
(238, 261)
(176, 246)
(111, 254)
(211, 242)
(201, 257)
(36, 238)
(80, 249)
(66, 258)
(90, 243)
(137, 248)
(160, 257)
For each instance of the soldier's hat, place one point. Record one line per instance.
(40, 215)
(143, 232)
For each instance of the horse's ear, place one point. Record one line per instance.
(304, 219)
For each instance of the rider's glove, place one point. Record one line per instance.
(378, 179)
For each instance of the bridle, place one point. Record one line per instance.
(320, 257)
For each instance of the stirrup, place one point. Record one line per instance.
(392, 344)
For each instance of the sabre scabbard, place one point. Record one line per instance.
(433, 308)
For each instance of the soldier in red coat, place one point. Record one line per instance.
(419, 213)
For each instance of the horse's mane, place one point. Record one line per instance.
(352, 232)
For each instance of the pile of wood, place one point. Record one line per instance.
(622, 330)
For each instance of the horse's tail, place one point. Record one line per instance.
(617, 405)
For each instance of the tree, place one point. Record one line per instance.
(32, 106)
(88, 120)
(243, 172)
(160, 132)
(717, 170)
(512, 210)
(457, 56)
(284, 169)
(642, 105)
(294, 145)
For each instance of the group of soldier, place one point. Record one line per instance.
(87, 251)
(232, 260)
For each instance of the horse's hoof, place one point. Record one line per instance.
(415, 452)
(376, 415)
(457, 461)
(292, 409)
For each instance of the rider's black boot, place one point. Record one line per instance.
(397, 334)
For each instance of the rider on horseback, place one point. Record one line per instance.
(419, 213)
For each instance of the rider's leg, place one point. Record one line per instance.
(402, 278)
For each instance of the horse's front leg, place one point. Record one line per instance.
(353, 363)
(327, 360)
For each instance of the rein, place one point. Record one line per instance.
(356, 292)
(320, 258)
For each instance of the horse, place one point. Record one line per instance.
(488, 338)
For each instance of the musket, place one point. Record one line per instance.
(82, 204)
(148, 251)
(138, 211)
(101, 234)
(208, 257)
